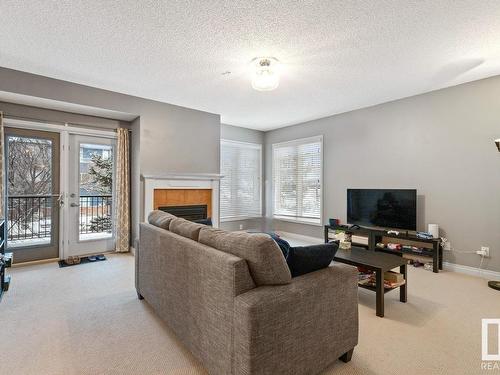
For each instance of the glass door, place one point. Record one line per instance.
(90, 195)
(32, 194)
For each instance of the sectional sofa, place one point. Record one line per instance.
(230, 298)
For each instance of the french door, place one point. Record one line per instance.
(32, 193)
(89, 199)
(59, 192)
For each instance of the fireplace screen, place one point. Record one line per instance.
(188, 212)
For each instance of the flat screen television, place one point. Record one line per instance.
(385, 208)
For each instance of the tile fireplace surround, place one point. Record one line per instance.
(182, 181)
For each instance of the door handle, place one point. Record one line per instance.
(60, 199)
(74, 205)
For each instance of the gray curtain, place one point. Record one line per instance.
(122, 192)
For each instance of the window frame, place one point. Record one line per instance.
(257, 146)
(297, 220)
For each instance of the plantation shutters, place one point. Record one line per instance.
(297, 180)
(240, 190)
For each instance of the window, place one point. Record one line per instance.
(240, 190)
(297, 180)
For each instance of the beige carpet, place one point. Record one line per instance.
(87, 320)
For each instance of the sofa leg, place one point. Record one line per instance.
(346, 357)
(139, 295)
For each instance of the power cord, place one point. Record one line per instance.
(481, 267)
(444, 241)
(443, 245)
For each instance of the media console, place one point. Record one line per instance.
(431, 248)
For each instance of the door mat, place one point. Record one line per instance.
(83, 260)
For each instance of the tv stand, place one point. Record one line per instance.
(432, 246)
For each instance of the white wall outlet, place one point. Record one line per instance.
(241, 226)
(447, 246)
(484, 252)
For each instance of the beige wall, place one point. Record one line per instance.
(440, 143)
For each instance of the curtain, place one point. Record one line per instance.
(122, 192)
(2, 164)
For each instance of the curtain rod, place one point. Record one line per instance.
(6, 115)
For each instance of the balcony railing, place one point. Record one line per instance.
(29, 216)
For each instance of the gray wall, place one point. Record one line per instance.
(235, 133)
(167, 134)
(440, 143)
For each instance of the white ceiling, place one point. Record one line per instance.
(336, 55)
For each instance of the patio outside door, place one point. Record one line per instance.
(89, 203)
(32, 193)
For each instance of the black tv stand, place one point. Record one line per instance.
(433, 246)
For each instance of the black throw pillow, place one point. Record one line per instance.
(207, 221)
(283, 245)
(305, 259)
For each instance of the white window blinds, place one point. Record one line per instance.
(297, 180)
(240, 190)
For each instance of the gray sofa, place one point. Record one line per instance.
(230, 299)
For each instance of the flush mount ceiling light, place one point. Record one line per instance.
(266, 76)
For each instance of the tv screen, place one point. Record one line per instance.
(386, 208)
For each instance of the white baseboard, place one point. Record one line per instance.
(472, 271)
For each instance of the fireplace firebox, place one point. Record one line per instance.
(195, 212)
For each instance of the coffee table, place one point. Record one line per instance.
(380, 263)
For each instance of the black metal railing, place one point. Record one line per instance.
(30, 216)
(95, 214)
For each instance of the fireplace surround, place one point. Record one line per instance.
(190, 182)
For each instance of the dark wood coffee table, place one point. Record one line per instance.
(380, 263)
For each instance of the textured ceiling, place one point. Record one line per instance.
(336, 55)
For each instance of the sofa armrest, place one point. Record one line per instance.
(299, 328)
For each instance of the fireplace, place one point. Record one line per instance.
(195, 212)
(184, 195)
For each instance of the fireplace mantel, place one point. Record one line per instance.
(183, 176)
(182, 181)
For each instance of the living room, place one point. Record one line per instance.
(203, 187)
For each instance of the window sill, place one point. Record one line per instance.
(313, 222)
(239, 218)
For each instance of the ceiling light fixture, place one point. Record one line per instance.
(265, 76)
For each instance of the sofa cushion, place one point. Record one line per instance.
(305, 259)
(265, 259)
(186, 228)
(160, 219)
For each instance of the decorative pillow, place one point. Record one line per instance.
(186, 228)
(305, 259)
(264, 258)
(283, 245)
(160, 219)
(207, 221)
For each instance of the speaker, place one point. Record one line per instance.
(434, 230)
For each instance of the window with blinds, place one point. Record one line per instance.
(297, 180)
(240, 186)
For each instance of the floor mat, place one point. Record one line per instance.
(83, 260)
